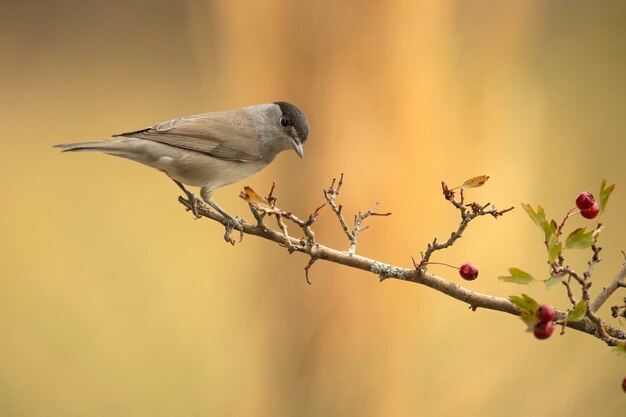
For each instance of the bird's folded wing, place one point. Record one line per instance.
(217, 134)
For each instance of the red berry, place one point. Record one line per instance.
(545, 313)
(591, 212)
(624, 384)
(468, 271)
(585, 200)
(543, 330)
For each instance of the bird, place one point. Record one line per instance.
(210, 150)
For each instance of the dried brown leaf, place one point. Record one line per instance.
(256, 200)
(475, 181)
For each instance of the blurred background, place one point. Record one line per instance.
(115, 302)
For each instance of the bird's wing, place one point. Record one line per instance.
(224, 135)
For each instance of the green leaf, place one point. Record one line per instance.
(518, 273)
(529, 319)
(581, 239)
(605, 193)
(549, 230)
(517, 276)
(554, 248)
(528, 309)
(538, 217)
(554, 280)
(578, 313)
(525, 303)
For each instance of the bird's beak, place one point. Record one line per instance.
(297, 146)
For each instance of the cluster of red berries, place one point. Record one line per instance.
(545, 326)
(586, 202)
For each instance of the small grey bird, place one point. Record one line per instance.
(211, 150)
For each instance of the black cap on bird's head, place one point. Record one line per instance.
(294, 119)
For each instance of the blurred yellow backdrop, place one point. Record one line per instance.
(115, 302)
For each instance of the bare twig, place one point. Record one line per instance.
(304, 225)
(570, 272)
(330, 195)
(569, 214)
(570, 294)
(270, 197)
(352, 233)
(595, 259)
(257, 215)
(468, 213)
(261, 206)
(307, 267)
(283, 228)
(358, 219)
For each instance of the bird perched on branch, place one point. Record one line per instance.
(210, 150)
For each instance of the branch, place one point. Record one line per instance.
(330, 195)
(468, 213)
(585, 283)
(617, 282)
(384, 271)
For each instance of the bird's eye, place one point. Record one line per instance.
(284, 122)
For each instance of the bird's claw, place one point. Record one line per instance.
(233, 224)
(195, 204)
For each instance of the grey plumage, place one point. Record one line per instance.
(210, 150)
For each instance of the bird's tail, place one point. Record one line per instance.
(99, 146)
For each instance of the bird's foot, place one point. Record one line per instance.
(232, 224)
(195, 203)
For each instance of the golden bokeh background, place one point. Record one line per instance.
(115, 302)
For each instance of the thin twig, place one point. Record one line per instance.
(358, 219)
(283, 228)
(330, 195)
(307, 267)
(468, 213)
(569, 214)
(570, 294)
(305, 225)
(257, 215)
(352, 233)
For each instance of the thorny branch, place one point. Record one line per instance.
(262, 207)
